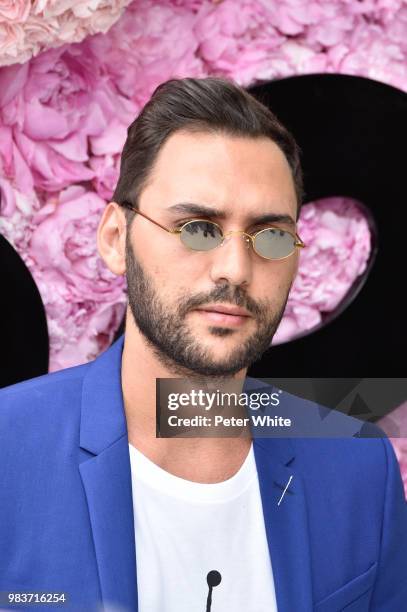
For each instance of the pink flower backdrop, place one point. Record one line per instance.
(29, 26)
(73, 76)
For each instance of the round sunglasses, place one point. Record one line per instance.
(203, 235)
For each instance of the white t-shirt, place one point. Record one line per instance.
(185, 529)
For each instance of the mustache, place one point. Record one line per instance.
(226, 296)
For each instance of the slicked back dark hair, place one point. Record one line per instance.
(212, 105)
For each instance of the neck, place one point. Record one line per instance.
(197, 459)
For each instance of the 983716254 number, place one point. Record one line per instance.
(34, 597)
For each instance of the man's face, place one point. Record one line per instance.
(167, 283)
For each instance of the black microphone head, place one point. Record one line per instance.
(213, 578)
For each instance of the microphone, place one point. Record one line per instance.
(213, 579)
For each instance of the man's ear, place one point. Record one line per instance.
(111, 238)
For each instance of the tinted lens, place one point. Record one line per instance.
(201, 235)
(274, 243)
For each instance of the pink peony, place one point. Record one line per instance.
(84, 300)
(56, 112)
(154, 41)
(16, 212)
(107, 170)
(239, 39)
(28, 27)
(14, 11)
(369, 52)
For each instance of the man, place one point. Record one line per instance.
(93, 504)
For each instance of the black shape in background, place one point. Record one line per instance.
(353, 134)
(25, 342)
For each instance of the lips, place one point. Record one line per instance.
(228, 310)
(224, 316)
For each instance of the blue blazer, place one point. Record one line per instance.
(337, 540)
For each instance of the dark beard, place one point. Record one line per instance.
(170, 338)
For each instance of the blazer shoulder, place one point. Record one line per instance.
(37, 396)
(356, 464)
(50, 378)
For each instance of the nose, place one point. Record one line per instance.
(232, 260)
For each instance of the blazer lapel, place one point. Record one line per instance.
(285, 514)
(106, 477)
(285, 518)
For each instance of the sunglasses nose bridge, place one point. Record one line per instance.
(248, 238)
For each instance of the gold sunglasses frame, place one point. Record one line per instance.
(177, 230)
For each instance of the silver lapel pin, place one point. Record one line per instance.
(286, 487)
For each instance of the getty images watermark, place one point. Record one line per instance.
(269, 408)
(208, 401)
(228, 411)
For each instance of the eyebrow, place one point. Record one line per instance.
(206, 211)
